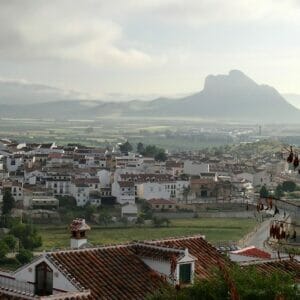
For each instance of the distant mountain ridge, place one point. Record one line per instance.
(21, 92)
(232, 97)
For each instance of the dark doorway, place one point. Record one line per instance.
(43, 280)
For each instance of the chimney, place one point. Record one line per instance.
(78, 228)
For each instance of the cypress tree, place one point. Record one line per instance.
(8, 202)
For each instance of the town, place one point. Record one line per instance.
(130, 186)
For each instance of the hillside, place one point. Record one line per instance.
(232, 97)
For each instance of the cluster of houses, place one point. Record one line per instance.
(38, 174)
(129, 271)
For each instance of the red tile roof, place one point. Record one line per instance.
(253, 252)
(110, 272)
(8, 294)
(161, 201)
(207, 255)
(118, 272)
(157, 252)
(54, 155)
(126, 184)
(284, 265)
(147, 177)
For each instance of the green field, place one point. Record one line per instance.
(215, 230)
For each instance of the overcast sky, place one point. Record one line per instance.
(149, 47)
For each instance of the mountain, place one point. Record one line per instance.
(294, 99)
(232, 97)
(236, 97)
(21, 92)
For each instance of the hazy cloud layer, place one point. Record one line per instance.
(148, 46)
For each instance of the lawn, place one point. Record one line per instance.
(215, 230)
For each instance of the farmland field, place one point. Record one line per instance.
(215, 230)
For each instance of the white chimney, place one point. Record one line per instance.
(78, 229)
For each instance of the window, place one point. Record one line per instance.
(43, 280)
(185, 272)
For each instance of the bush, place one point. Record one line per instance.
(27, 235)
(67, 201)
(24, 256)
(3, 249)
(160, 222)
(10, 241)
(289, 186)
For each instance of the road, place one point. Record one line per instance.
(260, 235)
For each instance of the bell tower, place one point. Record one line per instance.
(78, 230)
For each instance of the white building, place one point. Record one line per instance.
(14, 162)
(129, 211)
(81, 192)
(195, 168)
(124, 191)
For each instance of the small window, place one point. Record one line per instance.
(185, 272)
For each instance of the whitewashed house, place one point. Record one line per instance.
(195, 168)
(14, 162)
(124, 191)
(80, 191)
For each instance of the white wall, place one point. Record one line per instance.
(27, 274)
(104, 177)
(162, 267)
(150, 190)
(193, 168)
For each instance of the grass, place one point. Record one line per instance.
(215, 230)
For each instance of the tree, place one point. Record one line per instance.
(126, 147)
(289, 186)
(161, 155)
(248, 284)
(89, 210)
(146, 209)
(186, 191)
(159, 222)
(104, 218)
(10, 241)
(8, 202)
(24, 256)
(3, 249)
(153, 151)
(124, 221)
(140, 148)
(279, 191)
(27, 235)
(140, 220)
(264, 193)
(67, 201)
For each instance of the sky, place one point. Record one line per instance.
(121, 49)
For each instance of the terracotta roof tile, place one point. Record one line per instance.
(157, 252)
(161, 201)
(285, 265)
(110, 272)
(253, 252)
(207, 255)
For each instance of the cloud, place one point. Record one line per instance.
(201, 12)
(64, 30)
